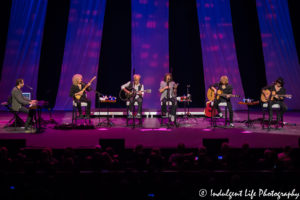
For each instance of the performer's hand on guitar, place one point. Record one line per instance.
(228, 96)
(139, 92)
(214, 89)
(89, 84)
(167, 87)
(33, 102)
(79, 93)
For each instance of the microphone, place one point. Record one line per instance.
(28, 87)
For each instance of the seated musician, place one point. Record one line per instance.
(168, 90)
(278, 88)
(19, 102)
(225, 89)
(76, 89)
(134, 90)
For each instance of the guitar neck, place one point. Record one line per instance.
(232, 95)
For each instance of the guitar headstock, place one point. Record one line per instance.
(148, 91)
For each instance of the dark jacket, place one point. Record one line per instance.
(18, 100)
(74, 89)
(227, 90)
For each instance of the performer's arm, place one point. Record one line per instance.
(124, 87)
(89, 88)
(72, 91)
(142, 93)
(163, 87)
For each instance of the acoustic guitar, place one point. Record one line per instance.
(267, 95)
(78, 96)
(124, 96)
(211, 96)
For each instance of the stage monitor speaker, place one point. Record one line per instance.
(118, 145)
(13, 144)
(214, 145)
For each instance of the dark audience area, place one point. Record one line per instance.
(30, 173)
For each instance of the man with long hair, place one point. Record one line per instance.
(168, 90)
(225, 89)
(76, 89)
(278, 88)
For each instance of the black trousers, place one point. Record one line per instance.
(173, 107)
(229, 106)
(30, 112)
(88, 108)
(283, 108)
(139, 101)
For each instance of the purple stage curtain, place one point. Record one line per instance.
(279, 46)
(23, 46)
(218, 47)
(150, 45)
(82, 48)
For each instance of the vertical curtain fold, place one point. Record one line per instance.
(218, 47)
(23, 45)
(82, 48)
(279, 48)
(150, 45)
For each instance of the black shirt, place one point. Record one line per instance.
(74, 89)
(226, 90)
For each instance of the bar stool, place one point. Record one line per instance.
(133, 117)
(265, 109)
(162, 117)
(75, 113)
(16, 120)
(221, 105)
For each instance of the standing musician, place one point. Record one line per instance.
(277, 89)
(225, 89)
(134, 90)
(19, 102)
(168, 90)
(76, 89)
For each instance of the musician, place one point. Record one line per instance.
(226, 89)
(76, 88)
(278, 88)
(19, 102)
(168, 90)
(132, 87)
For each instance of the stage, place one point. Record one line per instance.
(191, 132)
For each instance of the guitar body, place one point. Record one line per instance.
(265, 95)
(78, 96)
(209, 111)
(210, 94)
(123, 95)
